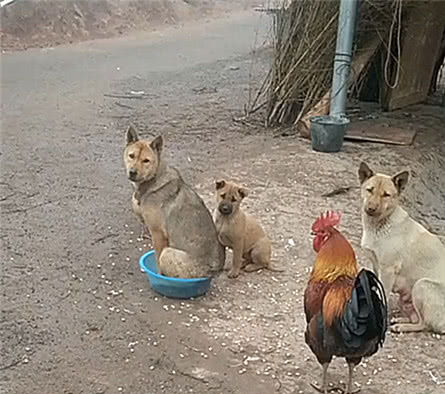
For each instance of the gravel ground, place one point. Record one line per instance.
(77, 314)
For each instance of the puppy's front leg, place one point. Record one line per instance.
(237, 260)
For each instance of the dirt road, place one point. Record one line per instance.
(78, 316)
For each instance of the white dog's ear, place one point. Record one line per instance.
(400, 180)
(157, 144)
(132, 135)
(243, 192)
(364, 172)
(220, 184)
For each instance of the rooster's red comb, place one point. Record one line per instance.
(330, 219)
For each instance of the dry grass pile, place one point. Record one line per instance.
(304, 47)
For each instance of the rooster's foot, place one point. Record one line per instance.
(344, 390)
(330, 389)
(335, 389)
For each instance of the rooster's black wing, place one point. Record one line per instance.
(365, 315)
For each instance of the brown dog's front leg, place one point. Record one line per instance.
(237, 261)
(145, 233)
(160, 241)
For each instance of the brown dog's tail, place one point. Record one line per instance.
(273, 268)
(256, 267)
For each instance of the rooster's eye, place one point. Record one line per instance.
(370, 189)
(131, 155)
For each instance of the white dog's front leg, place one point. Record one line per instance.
(388, 279)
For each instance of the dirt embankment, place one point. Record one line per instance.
(43, 23)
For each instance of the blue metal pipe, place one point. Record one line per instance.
(343, 56)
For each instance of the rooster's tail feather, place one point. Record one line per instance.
(365, 315)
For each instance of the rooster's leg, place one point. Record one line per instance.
(349, 389)
(324, 386)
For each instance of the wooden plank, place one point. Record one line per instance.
(361, 59)
(370, 131)
(424, 26)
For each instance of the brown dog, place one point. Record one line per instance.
(239, 231)
(184, 235)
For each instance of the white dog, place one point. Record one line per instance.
(407, 258)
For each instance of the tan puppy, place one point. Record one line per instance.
(183, 232)
(408, 259)
(239, 231)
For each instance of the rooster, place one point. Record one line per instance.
(345, 308)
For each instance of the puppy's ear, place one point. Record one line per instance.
(400, 180)
(157, 144)
(243, 192)
(364, 172)
(220, 184)
(132, 135)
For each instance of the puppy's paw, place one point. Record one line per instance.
(233, 273)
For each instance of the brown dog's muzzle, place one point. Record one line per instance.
(132, 174)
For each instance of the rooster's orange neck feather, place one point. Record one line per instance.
(336, 258)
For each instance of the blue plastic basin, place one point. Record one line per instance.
(172, 287)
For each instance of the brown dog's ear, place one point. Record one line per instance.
(157, 144)
(400, 180)
(220, 184)
(132, 135)
(243, 192)
(364, 172)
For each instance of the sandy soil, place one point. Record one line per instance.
(77, 314)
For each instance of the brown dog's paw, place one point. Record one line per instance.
(233, 274)
(253, 267)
